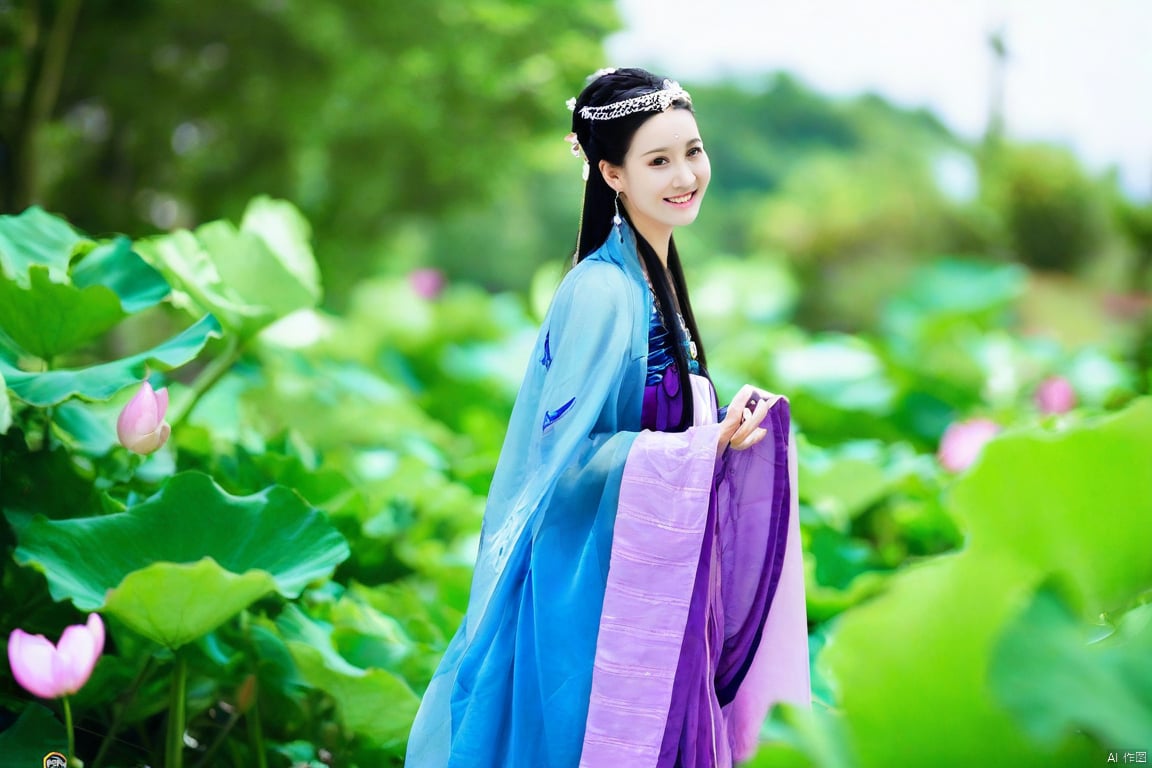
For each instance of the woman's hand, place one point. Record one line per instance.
(741, 428)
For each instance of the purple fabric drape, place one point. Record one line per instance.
(703, 626)
(663, 402)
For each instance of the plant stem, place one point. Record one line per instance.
(175, 750)
(71, 730)
(116, 718)
(233, 718)
(256, 734)
(207, 378)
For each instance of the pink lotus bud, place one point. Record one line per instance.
(51, 671)
(141, 426)
(427, 282)
(963, 441)
(1055, 395)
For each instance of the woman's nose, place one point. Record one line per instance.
(685, 176)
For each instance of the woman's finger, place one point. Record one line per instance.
(750, 440)
(749, 423)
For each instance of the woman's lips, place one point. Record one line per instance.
(681, 201)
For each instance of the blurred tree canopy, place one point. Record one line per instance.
(141, 115)
(430, 134)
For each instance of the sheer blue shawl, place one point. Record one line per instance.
(513, 687)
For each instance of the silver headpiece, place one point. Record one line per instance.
(657, 101)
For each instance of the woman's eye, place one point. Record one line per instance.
(695, 151)
(660, 161)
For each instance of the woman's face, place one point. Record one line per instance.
(664, 174)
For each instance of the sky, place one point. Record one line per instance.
(1078, 73)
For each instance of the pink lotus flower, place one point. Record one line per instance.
(51, 671)
(1055, 395)
(963, 441)
(427, 282)
(141, 426)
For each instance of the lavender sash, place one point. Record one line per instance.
(660, 530)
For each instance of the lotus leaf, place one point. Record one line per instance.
(374, 703)
(36, 733)
(1055, 681)
(1039, 506)
(234, 549)
(249, 276)
(36, 238)
(49, 318)
(116, 266)
(100, 382)
(51, 301)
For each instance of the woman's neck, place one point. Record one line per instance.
(658, 237)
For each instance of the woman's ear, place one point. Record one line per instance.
(611, 174)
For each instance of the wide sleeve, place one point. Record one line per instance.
(777, 671)
(570, 403)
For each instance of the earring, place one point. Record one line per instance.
(616, 220)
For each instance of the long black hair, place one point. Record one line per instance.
(610, 140)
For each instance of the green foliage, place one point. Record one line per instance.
(148, 565)
(5, 406)
(36, 733)
(355, 449)
(101, 381)
(931, 639)
(368, 116)
(51, 300)
(374, 703)
(247, 277)
(1054, 216)
(1056, 679)
(36, 238)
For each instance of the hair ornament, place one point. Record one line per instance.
(656, 101)
(577, 152)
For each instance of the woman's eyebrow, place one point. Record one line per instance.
(690, 142)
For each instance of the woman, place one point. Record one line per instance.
(638, 597)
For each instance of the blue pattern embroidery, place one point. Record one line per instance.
(546, 360)
(551, 417)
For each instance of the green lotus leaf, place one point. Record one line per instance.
(249, 276)
(1068, 507)
(36, 238)
(188, 266)
(117, 267)
(48, 318)
(1055, 682)
(89, 428)
(287, 234)
(843, 482)
(35, 734)
(175, 603)
(100, 382)
(48, 307)
(189, 519)
(1074, 503)
(374, 703)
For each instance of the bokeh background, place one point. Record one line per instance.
(930, 224)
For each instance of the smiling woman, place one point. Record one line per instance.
(638, 598)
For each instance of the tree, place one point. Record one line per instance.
(172, 113)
